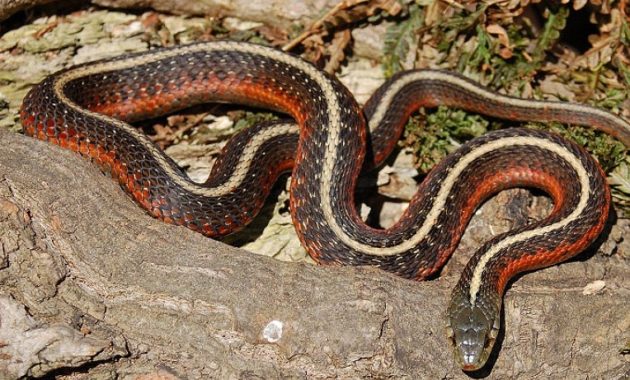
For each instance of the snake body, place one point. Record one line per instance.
(87, 108)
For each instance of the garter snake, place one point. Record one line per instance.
(87, 109)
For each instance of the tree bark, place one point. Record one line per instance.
(281, 13)
(277, 12)
(9, 7)
(89, 281)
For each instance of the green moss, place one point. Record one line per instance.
(400, 38)
(246, 119)
(470, 49)
(434, 135)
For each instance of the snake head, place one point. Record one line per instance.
(472, 331)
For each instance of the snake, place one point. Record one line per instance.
(329, 141)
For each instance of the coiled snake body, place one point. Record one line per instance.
(87, 109)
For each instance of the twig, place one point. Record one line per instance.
(317, 25)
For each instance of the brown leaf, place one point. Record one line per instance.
(434, 13)
(550, 86)
(336, 50)
(276, 36)
(151, 20)
(346, 12)
(505, 53)
(501, 34)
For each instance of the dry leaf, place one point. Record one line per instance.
(276, 36)
(336, 50)
(346, 12)
(500, 32)
(433, 13)
(505, 53)
(551, 87)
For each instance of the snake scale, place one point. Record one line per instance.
(88, 109)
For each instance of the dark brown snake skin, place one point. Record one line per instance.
(87, 108)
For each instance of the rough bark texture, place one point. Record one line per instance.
(9, 7)
(281, 13)
(278, 12)
(275, 12)
(89, 281)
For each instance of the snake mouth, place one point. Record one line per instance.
(472, 335)
(472, 347)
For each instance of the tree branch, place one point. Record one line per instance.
(110, 290)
